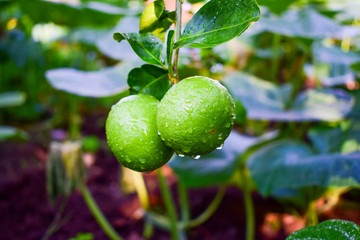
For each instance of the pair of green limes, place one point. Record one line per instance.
(193, 118)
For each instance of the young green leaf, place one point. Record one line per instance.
(151, 14)
(218, 21)
(334, 229)
(169, 47)
(149, 79)
(147, 46)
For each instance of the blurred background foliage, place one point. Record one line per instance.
(294, 74)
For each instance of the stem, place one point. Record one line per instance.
(184, 203)
(311, 214)
(144, 200)
(177, 35)
(98, 215)
(248, 204)
(210, 210)
(276, 58)
(54, 226)
(169, 204)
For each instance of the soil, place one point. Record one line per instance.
(26, 212)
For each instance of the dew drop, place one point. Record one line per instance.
(220, 147)
(142, 160)
(195, 157)
(227, 125)
(181, 155)
(159, 133)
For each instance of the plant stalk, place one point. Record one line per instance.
(141, 189)
(311, 214)
(248, 204)
(184, 202)
(210, 210)
(169, 204)
(177, 35)
(98, 215)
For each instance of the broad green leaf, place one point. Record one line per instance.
(147, 46)
(11, 99)
(305, 23)
(334, 229)
(149, 79)
(344, 139)
(91, 14)
(216, 167)
(266, 101)
(151, 14)
(276, 7)
(102, 83)
(11, 133)
(289, 164)
(218, 21)
(333, 55)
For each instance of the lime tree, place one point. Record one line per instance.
(195, 116)
(132, 134)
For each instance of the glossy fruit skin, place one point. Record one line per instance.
(132, 134)
(196, 116)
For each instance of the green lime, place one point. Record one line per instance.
(132, 134)
(196, 116)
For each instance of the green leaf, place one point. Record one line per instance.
(275, 7)
(11, 133)
(90, 14)
(218, 21)
(305, 23)
(334, 229)
(160, 27)
(290, 164)
(151, 14)
(344, 139)
(149, 79)
(169, 47)
(310, 105)
(11, 99)
(147, 46)
(102, 83)
(356, 66)
(213, 168)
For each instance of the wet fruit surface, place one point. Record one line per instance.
(132, 134)
(196, 116)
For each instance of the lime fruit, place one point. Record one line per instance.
(132, 134)
(196, 116)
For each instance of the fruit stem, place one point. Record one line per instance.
(177, 36)
(248, 203)
(184, 202)
(169, 205)
(98, 215)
